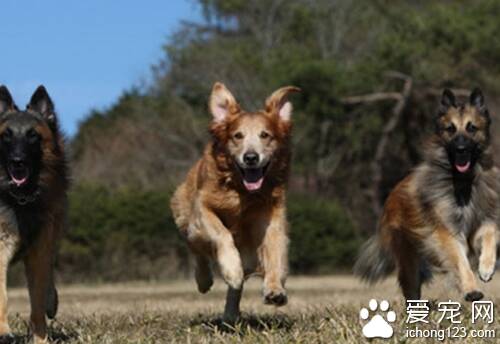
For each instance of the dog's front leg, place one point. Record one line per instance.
(274, 257)
(38, 263)
(232, 307)
(229, 261)
(227, 254)
(9, 240)
(452, 251)
(485, 243)
(5, 256)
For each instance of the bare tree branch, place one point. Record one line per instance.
(380, 152)
(372, 97)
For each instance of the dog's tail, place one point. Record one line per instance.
(375, 262)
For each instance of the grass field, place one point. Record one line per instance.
(320, 310)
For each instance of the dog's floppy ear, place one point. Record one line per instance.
(6, 101)
(222, 102)
(41, 103)
(278, 103)
(448, 99)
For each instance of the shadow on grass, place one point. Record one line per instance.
(246, 323)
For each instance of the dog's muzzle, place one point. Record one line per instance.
(18, 171)
(462, 153)
(252, 171)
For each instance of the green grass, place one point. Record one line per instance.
(321, 310)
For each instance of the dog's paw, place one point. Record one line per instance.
(52, 303)
(276, 297)
(486, 274)
(474, 295)
(205, 285)
(230, 317)
(204, 280)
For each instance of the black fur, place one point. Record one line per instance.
(21, 152)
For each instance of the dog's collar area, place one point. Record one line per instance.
(25, 199)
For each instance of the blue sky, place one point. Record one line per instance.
(85, 52)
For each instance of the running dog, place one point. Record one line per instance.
(445, 211)
(231, 207)
(33, 184)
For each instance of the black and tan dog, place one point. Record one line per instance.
(33, 184)
(446, 210)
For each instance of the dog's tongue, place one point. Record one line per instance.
(18, 177)
(19, 182)
(253, 179)
(463, 168)
(252, 186)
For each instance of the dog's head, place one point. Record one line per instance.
(464, 129)
(251, 139)
(24, 137)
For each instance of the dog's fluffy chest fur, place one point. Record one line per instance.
(460, 203)
(243, 213)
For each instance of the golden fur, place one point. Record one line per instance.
(244, 231)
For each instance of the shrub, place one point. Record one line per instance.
(129, 234)
(120, 235)
(323, 238)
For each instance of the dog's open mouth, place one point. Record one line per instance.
(19, 174)
(462, 167)
(253, 178)
(462, 162)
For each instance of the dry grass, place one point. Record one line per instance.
(320, 310)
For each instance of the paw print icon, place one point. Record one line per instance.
(377, 319)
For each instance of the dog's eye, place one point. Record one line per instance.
(451, 128)
(238, 136)
(264, 135)
(7, 136)
(32, 136)
(471, 128)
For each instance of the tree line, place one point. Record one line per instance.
(371, 74)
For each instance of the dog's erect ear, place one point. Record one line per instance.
(278, 103)
(41, 103)
(222, 103)
(448, 99)
(477, 98)
(6, 101)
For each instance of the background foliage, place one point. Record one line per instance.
(347, 155)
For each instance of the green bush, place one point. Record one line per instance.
(130, 235)
(120, 235)
(323, 238)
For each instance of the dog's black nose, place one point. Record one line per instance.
(461, 144)
(17, 161)
(251, 158)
